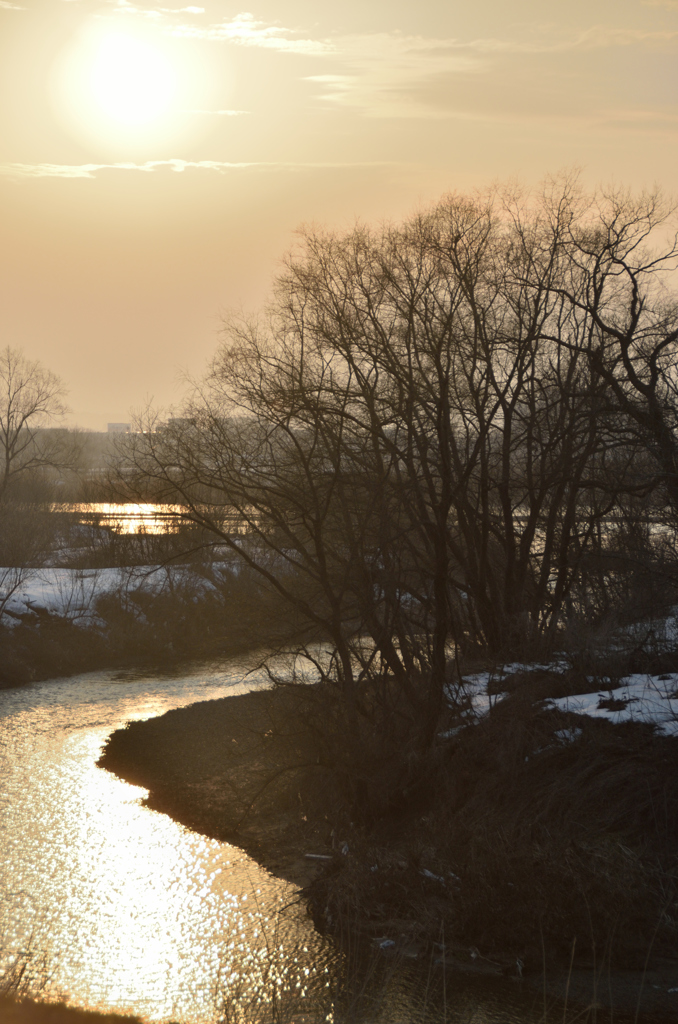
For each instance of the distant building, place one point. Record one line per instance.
(119, 428)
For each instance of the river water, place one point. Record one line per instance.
(129, 517)
(124, 910)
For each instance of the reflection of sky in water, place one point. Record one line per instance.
(135, 912)
(128, 518)
(131, 518)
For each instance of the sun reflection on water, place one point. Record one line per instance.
(128, 518)
(127, 911)
(135, 913)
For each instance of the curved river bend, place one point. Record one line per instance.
(130, 911)
(127, 911)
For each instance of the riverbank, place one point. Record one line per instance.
(227, 769)
(26, 1011)
(61, 622)
(524, 852)
(48, 646)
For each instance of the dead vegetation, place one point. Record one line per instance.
(525, 846)
(526, 836)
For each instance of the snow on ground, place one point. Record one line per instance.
(639, 698)
(475, 686)
(73, 593)
(70, 593)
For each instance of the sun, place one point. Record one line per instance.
(128, 90)
(131, 81)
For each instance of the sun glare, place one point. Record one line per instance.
(128, 89)
(131, 81)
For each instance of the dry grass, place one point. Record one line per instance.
(519, 844)
(501, 838)
(25, 980)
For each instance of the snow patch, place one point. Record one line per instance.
(639, 698)
(73, 593)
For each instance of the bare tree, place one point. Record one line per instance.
(31, 397)
(419, 438)
(617, 255)
(487, 429)
(621, 255)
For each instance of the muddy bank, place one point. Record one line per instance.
(226, 768)
(236, 770)
(26, 1011)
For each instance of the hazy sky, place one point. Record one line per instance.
(155, 161)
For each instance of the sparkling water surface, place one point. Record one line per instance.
(130, 911)
(125, 910)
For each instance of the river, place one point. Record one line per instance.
(124, 910)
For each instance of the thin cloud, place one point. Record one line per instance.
(125, 7)
(11, 7)
(245, 30)
(595, 37)
(22, 171)
(219, 113)
(603, 36)
(382, 74)
(387, 74)
(379, 73)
